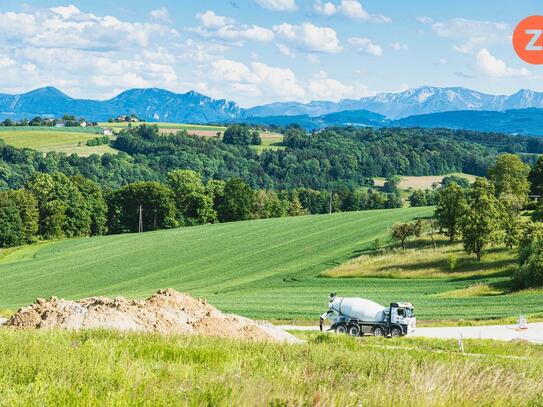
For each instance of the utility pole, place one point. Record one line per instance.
(140, 225)
(154, 221)
(330, 206)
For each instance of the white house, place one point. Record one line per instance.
(60, 124)
(83, 124)
(107, 132)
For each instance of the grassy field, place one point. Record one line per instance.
(68, 140)
(166, 126)
(270, 269)
(110, 368)
(424, 182)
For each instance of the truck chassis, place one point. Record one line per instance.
(355, 327)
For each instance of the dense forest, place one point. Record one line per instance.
(328, 160)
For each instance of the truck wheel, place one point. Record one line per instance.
(341, 329)
(378, 331)
(396, 333)
(354, 330)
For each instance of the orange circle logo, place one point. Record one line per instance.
(528, 40)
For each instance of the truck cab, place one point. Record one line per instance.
(403, 314)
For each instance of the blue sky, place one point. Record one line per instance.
(260, 51)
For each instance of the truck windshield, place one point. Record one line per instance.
(409, 312)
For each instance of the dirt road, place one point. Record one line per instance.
(533, 334)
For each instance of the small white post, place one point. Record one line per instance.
(460, 342)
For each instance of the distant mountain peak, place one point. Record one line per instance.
(50, 91)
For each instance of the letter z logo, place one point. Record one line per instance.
(528, 40)
(536, 35)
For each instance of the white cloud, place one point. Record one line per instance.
(309, 37)
(286, 51)
(321, 87)
(162, 15)
(489, 65)
(348, 8)
(366, 46)
(226, 29)
(278, 5)
(211, 20)
(258, 79)
(473, 34)
(425, 19)
(397, 46)
(68, 27)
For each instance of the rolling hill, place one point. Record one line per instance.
(263, 269)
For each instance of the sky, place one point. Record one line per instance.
(262, 51)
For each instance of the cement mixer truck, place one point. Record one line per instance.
(359, 317)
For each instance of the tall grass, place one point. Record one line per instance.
(115, 369)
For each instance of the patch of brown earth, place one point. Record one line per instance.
(166, 312)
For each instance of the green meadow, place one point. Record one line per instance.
(276, 269)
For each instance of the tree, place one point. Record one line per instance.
(255, 138)
(296, 208)
(62, 209)
(460, 181)
(482, 219)
(157, 204)
(95, 203)
(11, 225)
(237, 134)
(536, 177)
(267, 204)
(401, 232)
(510, 178)
(27, 205)
(193, 203)
(530, 271)
(450, 209)
(391, 184)
(237, 201)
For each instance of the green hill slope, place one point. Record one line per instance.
(263, 269)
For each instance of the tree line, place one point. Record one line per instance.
(488, 213)
(53, 206)
(329, 160)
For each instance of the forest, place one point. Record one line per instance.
(328, 160)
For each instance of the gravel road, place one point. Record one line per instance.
(533, 334)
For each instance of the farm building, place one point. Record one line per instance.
(107, 132)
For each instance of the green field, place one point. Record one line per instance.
(110, 368)
(263, 269)
(61, 139)
(163, 125)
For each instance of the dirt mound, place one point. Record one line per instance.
(166, 312)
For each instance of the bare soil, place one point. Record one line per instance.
(166, 312)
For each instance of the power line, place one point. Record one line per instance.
(140, 225)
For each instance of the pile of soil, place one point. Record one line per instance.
(166, 312)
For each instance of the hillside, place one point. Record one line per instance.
(518, 121)
(264, 269)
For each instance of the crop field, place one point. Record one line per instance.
(68, 140)
(111, 368)
(422, 182)
(269, 269)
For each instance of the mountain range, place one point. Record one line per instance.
(426, 106)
